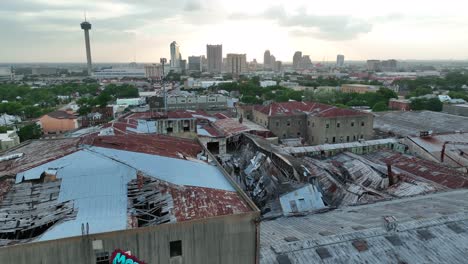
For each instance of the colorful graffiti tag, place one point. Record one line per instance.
(122, 257)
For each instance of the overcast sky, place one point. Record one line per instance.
(125, 30)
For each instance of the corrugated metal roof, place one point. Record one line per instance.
(96, 184)
(311, 149)
(176, 171)
(336, 231)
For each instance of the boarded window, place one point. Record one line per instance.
(175, 248)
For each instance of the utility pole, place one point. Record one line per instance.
(163, 61)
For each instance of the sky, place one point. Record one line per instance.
(141, 30)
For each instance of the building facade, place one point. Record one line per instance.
(236, 64)
(399, 104)
(175, 56)
(340, 60)
(358, 88)
(195, 63)
(154, 71)
(213, 102)
(8, 140)
(267, 60)
(313, 122)
(214, 55)
(58, 122)
(373, 65)
(297, 59)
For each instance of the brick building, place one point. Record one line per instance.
(313, 122)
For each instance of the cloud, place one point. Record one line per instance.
(192, 5)
(308, 25)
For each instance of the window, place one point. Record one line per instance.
(362, 123)
(352, 124)
(347, 138)
(362, 136)
(341, 139)
(337, 124)
(308, 123)
(333, 140)
(175, 248)
(299, 122)
(298, 134)
(354, 137)
(288, 123)
(327, 125)
(312, 138)
(284, 135)
(277, 123)
(102, 258)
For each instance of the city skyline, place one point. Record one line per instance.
(123, 31)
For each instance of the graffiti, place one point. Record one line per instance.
(122, 257)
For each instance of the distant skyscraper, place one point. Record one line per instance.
(340, 60)
(278, 66)
(389, 65)
(306, 63)
(297, 59)
(272, 62)
(373, 65)
(236, 63)
(175, 56)
(214, 55)
(195, 63)
(86, 26)
(267, 60)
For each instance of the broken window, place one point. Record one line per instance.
(175, 248)
(102, 258)
(327, 125)
(337, 124)
(352, 124)
(288, 123)
(362, 123)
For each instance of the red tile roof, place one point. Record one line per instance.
(192, 202)
(149, 143)
(61, 115)
(428, 170)
(36, 153)
(316, 109)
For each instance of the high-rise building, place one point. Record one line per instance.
(278, 66)
(153, 71)
(175, 56)
(267, 60)
(272, 62)
(183, 65)
(305, 63)
(389, 65)
(373, 65)
(214, 55)
(236, 63)
(195, 63)
(86, 26)
(339, 60)
(297, 59)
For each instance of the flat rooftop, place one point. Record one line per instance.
(427, 229)
(410, 123)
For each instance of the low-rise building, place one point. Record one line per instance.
(154, 71)
(118, 73)
(314, 122)
(193, 102)
(454, 109)
(8, 140)
(399, 104)
(131, 101)
(58, 122)
(98, 196)
(358, 88)
(267, 83)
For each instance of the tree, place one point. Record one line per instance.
(380, 107)
(31, 131)
(433, 104)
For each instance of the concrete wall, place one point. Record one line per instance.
(55, 125)
(226, 239)
(323, 130)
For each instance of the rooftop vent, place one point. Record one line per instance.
(425, 234)
(283, 259)
(360, 245)
(323, 253)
